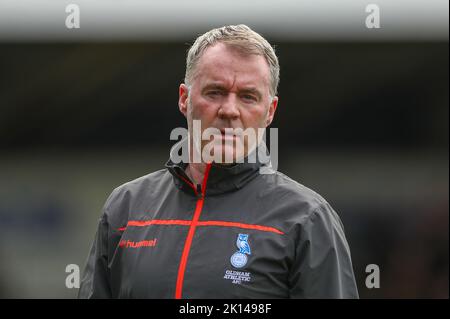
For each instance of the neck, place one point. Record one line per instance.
(196, 171)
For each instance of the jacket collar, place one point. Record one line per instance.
(221, 178)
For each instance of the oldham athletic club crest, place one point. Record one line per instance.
(239, 258)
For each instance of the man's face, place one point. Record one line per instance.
(229, 90)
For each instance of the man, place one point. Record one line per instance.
(215, 229)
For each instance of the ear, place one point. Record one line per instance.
(183, 94)
(272, 108)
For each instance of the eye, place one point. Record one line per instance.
(213, 93)
(249, 98)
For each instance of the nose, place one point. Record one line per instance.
(229, 107)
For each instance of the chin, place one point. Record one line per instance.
(230, 152)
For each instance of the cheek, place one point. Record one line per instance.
(203, 111)
(254, 117)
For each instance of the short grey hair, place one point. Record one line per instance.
(240, 37)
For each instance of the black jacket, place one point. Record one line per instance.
(240, 234)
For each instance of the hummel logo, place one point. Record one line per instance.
(137, 244)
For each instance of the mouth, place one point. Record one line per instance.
(225, 135)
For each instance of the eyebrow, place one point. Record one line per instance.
(220, 87)
(214, 86)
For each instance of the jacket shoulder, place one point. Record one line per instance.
(125, 197)
(287, 191)
(296, 204)
(300, 209)
(141, 182)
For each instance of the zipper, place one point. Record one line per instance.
(200, 192)
(187, 181)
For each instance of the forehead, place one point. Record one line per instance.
(228, 66)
